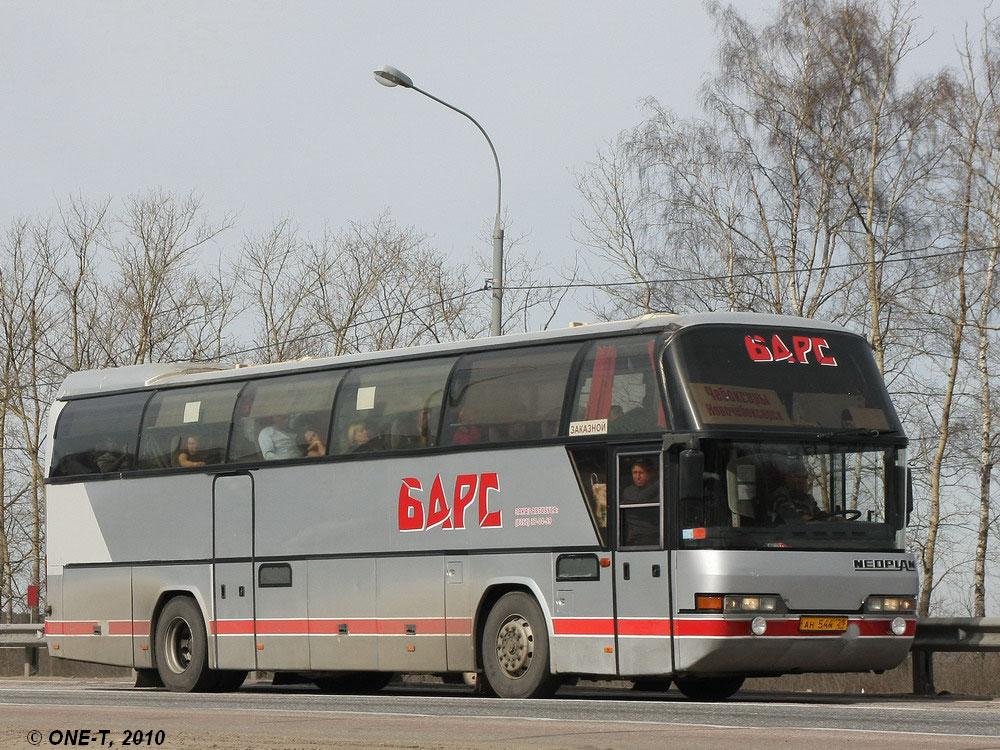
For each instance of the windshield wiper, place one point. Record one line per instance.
(856, 432)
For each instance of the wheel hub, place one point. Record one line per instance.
(178, 643)
(515, 646)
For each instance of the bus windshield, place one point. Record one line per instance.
(781, 378)
(797, 496)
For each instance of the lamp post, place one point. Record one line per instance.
(389, 76)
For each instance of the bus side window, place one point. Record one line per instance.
(289, 416)
(617, 382)
(390, 407)
(591, 467)
(97, 435)
(507, 396)
(639, 500)
(187, 427)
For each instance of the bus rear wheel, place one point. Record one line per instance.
(182, 647)
(515, 649)
(709, 688)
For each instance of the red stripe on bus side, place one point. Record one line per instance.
(78, 627)
(423, 625)
(594, 626)
(458, 626)
(644, 627)
(86, 627)
(583, 626)
(331, 626)
(232, 627)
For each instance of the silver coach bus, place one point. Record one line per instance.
(692, 498)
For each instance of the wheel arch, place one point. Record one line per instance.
(496, 588)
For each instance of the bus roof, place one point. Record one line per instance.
(135, 377)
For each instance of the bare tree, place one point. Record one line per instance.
(276, 281)
(157, 297)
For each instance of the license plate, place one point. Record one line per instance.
(823, 624)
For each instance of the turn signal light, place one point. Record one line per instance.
(708, 602)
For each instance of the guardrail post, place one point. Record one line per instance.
(923, 672)
(30, 661)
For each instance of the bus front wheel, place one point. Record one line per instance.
(709, 688)
(515, 648)
(182, 647)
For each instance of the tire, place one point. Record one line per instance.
(709, 688)
(515, 649)
(182, 647)
(354, 682)
(228, 680)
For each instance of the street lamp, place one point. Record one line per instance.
(389, 76)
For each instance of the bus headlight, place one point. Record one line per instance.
(736, 603)
(898, 626)
(758, 626)
(753, 603)
(880, 604)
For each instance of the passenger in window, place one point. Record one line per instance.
(615, 413)
(277, 440)
(644, 488)
(315, 446)
(188, 456)
(358, 437)
(467, 432)
(641, 525)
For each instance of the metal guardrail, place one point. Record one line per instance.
(934, 634)
(951, 634)
(30, 637)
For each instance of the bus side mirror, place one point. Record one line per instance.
(692, 471)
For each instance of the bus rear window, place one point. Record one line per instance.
(97, 435)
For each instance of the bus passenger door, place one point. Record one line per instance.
(582, 603)
(642, 589)
(233, 623)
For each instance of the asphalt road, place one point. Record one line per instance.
(48, 712)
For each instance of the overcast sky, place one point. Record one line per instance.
(270, 109)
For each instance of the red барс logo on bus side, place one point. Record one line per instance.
(414, 514)
(777, 351)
